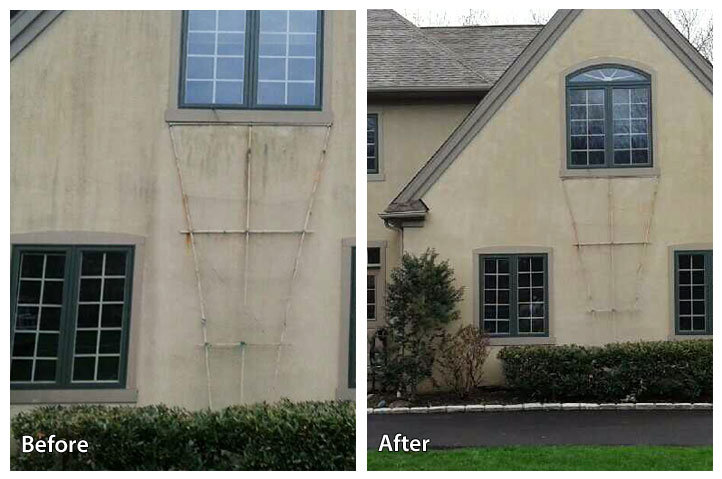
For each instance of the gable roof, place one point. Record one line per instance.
(401, 58)
(489, 49)
(409, 200)
(26, 25)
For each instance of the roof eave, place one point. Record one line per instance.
(26, 26)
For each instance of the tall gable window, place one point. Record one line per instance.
(245, 59)
(609, 118)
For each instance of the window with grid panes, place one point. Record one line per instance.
(693, 292)
(70, 316)
(246, 59)
(372, 278)
(372, 143)
(609, 118)
(514, 294)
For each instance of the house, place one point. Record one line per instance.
(182, 207)
(565, 172)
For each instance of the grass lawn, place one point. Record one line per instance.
(550, 458)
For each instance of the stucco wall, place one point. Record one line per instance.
(505, 190)
(409, 135)
(90, 151)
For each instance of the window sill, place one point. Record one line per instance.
(72, 396)
(568, 173)
(687, 337)
(520, 341)
(375, 177)
(250, 117)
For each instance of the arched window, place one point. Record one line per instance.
(609, 122)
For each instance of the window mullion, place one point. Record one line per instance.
(67, 323)
(513, 295)
(254, 34)
(608, 128)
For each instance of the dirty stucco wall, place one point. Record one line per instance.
(408, 135)
(505, 190)
(90, 151)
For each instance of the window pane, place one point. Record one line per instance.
(108, 368)
(202, 20)
(229, 92)
(199, 92)
(215, 51)
(26, 317)
(32, 265)
(50, 319)
(301, 94)
(630, 116)
(45, 370)
(587, 118)
(370, 297)
(287, 62)
(105, 316)
(37, 316)
(495, 309)
(374, 255)
(610, 75)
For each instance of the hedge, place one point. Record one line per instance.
(284, 436)
(639, 371)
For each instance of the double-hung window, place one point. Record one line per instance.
(609, 118)
(693, 292)
(514, 290)
(246, 59)
(372, 143)
(70, 314)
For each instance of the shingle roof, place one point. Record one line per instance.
(489, 49)
(401, 57)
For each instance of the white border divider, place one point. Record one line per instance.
(567, 406)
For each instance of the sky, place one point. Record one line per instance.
(428, 17)
(700, 35)
(498, 16)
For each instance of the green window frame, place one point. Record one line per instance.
(609, 118)
(236, 64)
(693, 292)
(352, 324)
(514, 294)
(372, 143)
(73, 303)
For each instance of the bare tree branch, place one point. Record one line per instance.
(694, 28)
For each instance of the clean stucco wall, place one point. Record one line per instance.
(409, 135)
(505, 190)
(90, 151)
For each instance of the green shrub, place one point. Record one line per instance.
(422, 300)
(672, 370)
(283, 436)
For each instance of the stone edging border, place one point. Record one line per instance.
(640, 406)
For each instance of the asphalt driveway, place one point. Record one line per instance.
(673, 428)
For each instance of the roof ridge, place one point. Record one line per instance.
(504, 25)
(447, 50)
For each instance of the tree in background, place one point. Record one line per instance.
(695, 25)
(695, 28)
(422, 300)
